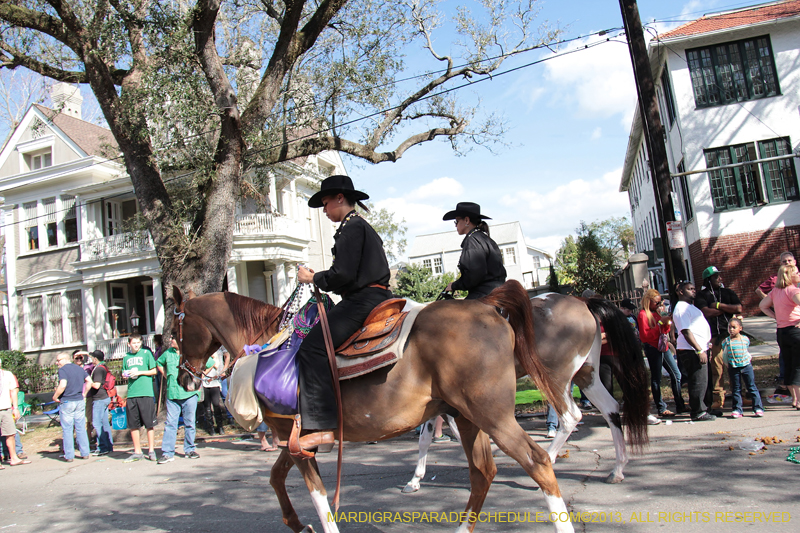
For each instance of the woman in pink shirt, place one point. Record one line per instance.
(785, 300)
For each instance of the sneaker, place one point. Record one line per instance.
(705, 417)
(759, 412)
(715, 412)
(652, 421)
(133, 458)
(586, 404)
(736, 414)
(442, 438)
(98, 452)
(151, 456)
(551, 434)
(193, 455)
(22, 455)
(165, 459)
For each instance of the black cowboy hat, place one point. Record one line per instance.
(466, 209)
(335, 185)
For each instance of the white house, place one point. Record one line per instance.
(728, 88)
(71, 268)
(440, 253)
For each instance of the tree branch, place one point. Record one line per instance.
(272, 12)
(35, 20)
(18, 59)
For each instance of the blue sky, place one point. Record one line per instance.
(569, 120)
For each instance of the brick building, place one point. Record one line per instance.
(728, 89)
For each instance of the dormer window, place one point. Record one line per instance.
(39, 160)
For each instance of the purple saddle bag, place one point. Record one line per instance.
(276, 377)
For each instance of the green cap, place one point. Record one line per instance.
(710, 271)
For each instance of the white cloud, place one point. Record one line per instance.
(438, 188)
(597, 133)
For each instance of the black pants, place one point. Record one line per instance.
(212, 402)
(609, 366)
(698, 380)
(789, 342)
(317, 400)
(655, 360)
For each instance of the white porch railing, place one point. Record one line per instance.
(254, 224)
(117, 245)
(117, 348)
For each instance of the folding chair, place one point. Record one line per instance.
(24, 411)
(52, 414)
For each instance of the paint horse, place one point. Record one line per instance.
(564, 326)
(455, 347)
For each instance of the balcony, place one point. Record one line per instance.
(117, 245)
(269, 224)
(117, 348)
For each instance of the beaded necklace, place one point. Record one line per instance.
(792, 451)
(302, 322)
(346, 219)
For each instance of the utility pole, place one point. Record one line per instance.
(653, 130)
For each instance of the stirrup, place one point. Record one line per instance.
(307, 446)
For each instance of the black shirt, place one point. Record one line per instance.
(98, 375)
(709, 298)
(358, 259)
(481, 264)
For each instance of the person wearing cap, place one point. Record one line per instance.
(100, 402)
(360, 275)
(481, 263)
(718, 304)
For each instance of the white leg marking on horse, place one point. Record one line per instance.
(463, 528)
(453, 427)
(566, 424)
(324, 512)
(425, 439)
(608, 406)
(558, 514)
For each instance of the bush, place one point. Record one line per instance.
(32, 377)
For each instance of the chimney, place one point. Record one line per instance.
(67, 99)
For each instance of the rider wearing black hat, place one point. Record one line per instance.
(360, 274)
(481, 262)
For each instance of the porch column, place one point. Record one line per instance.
(12, 235)
(158, 302)
(90, 332)
(268, 282)
(281, 285)
(273, 194)
(102, 323)
(233, 285)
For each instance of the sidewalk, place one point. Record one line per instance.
(762, 328)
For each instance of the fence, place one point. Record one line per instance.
(35, 378)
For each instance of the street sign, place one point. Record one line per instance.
(677, 239)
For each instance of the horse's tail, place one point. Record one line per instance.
(513, 299)
(633, 377)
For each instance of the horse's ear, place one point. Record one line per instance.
(177, 295)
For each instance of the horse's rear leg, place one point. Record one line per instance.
(609, 407)
(310, 472)
(277, 479)
(425, 438)
(515, 443)
(481, 468)
(566, 424)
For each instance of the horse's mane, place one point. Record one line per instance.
(250, 314)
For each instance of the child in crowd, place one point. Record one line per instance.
(739, 368)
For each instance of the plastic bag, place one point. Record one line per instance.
(119, 419)
(750, 444)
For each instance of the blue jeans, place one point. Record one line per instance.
(17, 446)
(73, 417)
(656, 360)
(176, 408)
(552, 418)
(101, 425)
(745, 374)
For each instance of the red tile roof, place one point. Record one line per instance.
(734, 19)
(92, 139)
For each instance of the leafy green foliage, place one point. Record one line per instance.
(552, 279)
(419, 283)
(391, 232)
(31, 376)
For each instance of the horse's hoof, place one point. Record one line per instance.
(612, 478)
(409, 489)
(307, 529)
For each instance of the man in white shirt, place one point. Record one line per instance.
(694, 336)
(9, 412)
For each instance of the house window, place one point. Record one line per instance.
(36, 320)
(686, 197)
(510, 256)
(75, 315)
(733, 72)
(537, 262)
(437, 265)
(426, 263)
(669, 98)
(39, 160)
(734, 187)
(50, 221)
(70, 218)
(31, 225)
(779, 176)
(56, 333)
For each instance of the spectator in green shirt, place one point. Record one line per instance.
(179, 402)
(139, 367)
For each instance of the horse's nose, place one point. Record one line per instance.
(187, 381)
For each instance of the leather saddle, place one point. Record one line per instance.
(380, 329)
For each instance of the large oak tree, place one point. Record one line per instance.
(219, 90)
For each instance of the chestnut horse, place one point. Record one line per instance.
(562, 326)
(454, 349)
